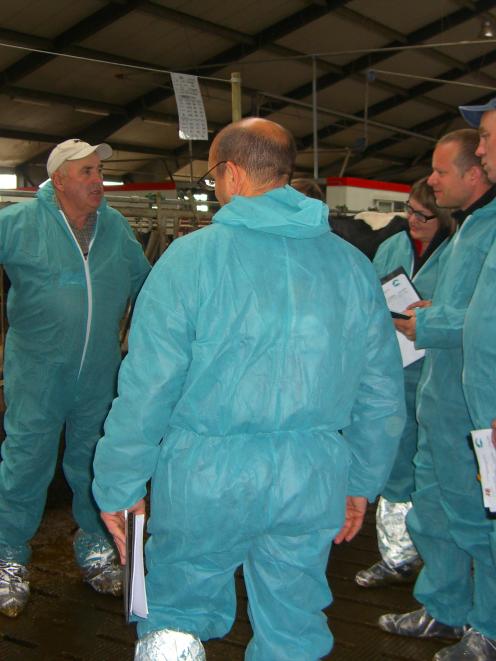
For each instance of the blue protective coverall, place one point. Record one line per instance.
(395, 252)
(448, 523)
(479, 355)
(254, 341)
(61, 356)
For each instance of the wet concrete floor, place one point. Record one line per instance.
(66, 620)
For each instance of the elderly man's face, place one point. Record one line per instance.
(452, 188)
(81, 183)
(487, 144)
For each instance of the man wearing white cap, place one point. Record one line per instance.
(74, 264)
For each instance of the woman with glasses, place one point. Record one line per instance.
(417, 250)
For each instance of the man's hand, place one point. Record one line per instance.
(356, 506)
(115, 524)
(493, 425)
(407, 326)
(420, 304)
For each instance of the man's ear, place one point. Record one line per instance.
(477, 175)
(234, 177)
(58, 180)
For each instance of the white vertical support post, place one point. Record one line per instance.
(314, 120)
(236, 95)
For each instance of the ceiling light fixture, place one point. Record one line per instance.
(92, 111)
(488, 29)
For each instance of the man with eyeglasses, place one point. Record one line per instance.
(238, 379)
(448, 523)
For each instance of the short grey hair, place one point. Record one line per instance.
(266, 155)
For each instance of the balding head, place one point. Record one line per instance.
(265, 150)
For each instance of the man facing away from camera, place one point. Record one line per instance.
(239, 376)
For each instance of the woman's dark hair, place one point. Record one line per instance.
(424, 194)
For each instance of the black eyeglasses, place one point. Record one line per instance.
(206, 182)
(419, 215)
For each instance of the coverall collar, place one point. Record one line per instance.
(460, 215)
(283, 211)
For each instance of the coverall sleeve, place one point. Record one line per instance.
(151, 380)
(439, 327)
(13, 240)
(378, 414)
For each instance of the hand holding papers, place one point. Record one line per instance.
(486, 458)
(400, 292)
(135, 602)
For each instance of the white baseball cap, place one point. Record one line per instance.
(74, 149)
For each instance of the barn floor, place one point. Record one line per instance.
(66, 620)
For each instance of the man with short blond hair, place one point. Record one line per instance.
(448, 523)
(74, 264)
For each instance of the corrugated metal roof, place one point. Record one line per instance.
(63, 75)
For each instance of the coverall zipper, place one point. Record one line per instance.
(88, 286)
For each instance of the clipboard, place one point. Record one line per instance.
(134, 590)
(400, 292)
(401, 273)
(399, 315)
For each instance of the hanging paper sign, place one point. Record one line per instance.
(192, 119)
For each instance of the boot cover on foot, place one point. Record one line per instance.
(472, 647)
(381, 574)
(99, 563)
(418, 624)
(14, 588)
(169, 645)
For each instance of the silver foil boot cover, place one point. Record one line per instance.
(169, 645)
(400, 562)
(472, 647)
(14, 588)
(418, 624)
(99, 562)
(395, 544)
(379, 574)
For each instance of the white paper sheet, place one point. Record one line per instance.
(135, 602)
(486, 458)
(190, 108)
(400, 293)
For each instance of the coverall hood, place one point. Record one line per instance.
(282, 211)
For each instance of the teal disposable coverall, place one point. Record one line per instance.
(61, 356)
(448, 523)
(479, 352)
(395, 252)
(254, 341)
